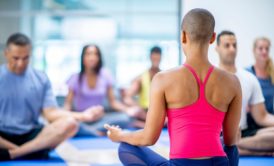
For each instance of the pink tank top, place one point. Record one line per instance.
(194, 130)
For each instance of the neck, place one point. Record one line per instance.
(9, 67)
(197, 55)
(89, 72)
(228, 67)
(261, 66)
(261, 69)
(154, 69)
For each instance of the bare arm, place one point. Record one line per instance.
(114, 103)
(261, 116)
(135, 87)
(90, 115)
(232, 117)
(154, 122)
(51, 114)
(133, 90)
(68, 101)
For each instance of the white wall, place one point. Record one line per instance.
(247, 18)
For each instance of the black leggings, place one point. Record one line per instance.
(21, 139)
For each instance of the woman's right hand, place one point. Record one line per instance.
(114, 132)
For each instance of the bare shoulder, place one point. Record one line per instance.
(229, 79)
(137, 79)
(164, 78)
(168, 74)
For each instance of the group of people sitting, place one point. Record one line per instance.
(235, 104)
(27, 96)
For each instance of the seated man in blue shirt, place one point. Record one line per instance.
(25, 95)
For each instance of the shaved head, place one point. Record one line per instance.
(199, 25)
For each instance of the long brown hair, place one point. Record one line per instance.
(269, 65)
(99, 65)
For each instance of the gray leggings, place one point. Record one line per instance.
(112, 118)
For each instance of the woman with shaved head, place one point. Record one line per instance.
(199, 100)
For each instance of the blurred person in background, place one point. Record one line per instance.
(26, 94)
(140, 87)
(88, 90)
(253, 141)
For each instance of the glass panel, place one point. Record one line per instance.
(125, 30)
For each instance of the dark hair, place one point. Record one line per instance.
(156, 49)
(199, 25)
(100, 62)
(18, 39)
(225, 32)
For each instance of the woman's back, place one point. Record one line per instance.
(182, 88)
(196, 106)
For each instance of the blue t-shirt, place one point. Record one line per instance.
(267, 88)
(22, 99)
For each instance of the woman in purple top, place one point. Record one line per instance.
(88, 90)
